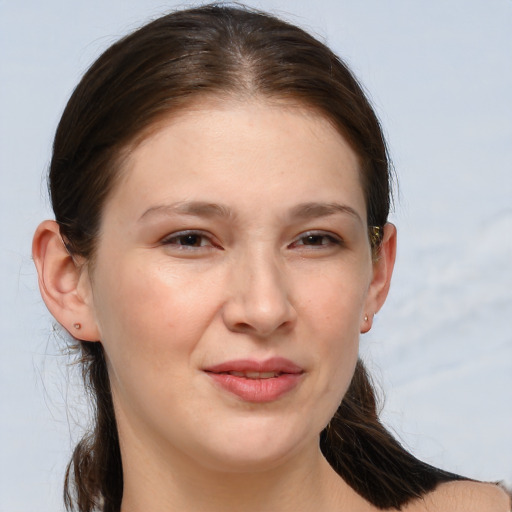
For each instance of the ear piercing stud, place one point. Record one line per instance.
(77, 326)
(366, 318)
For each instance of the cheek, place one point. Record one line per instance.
(150, 316)
(334, 299)
(334, 307)
(151, 322)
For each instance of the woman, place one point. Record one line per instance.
(221, 191)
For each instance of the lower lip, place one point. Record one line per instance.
(257, 390)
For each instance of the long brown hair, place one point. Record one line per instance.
(160, 69)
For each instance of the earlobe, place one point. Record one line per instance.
(381, 279)
(366, 323)
(59, 283)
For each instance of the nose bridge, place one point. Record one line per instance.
(259, 295)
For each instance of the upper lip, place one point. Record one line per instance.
(273, 364)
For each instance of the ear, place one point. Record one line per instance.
(64, 285)
(381, 280)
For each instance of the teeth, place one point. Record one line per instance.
(255, 375)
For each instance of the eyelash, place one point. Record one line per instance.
(332, 240)
(172, 240)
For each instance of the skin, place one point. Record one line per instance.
(177, 287)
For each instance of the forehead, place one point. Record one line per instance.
(219, 150)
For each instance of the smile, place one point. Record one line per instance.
(256, 381)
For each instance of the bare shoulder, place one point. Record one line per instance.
(464, 496)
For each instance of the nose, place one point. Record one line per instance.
(258, 298)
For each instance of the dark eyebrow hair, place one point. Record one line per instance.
(313, 210)
(303, 211)
(195, 208)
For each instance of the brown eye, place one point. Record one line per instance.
(187, 240)
(319, 240)
(190, 240)
(315, 240)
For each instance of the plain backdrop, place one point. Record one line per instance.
(439, 74)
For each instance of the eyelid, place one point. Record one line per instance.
(334, 238)
(166, 240)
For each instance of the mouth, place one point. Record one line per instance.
(255, 375)
(256, 381)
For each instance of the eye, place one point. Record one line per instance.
(317, 240)
(188, 240)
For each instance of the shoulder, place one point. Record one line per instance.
(464, 496)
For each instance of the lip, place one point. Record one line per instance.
(257, 390)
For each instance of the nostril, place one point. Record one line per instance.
(242, 327)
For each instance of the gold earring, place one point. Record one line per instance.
(77, 326)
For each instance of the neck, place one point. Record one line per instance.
(303, 482)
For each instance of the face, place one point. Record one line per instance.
(231, 279)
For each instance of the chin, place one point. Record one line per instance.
(254, 450)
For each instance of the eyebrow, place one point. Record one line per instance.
(194, 208)
(303, 211)
(306, 211)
